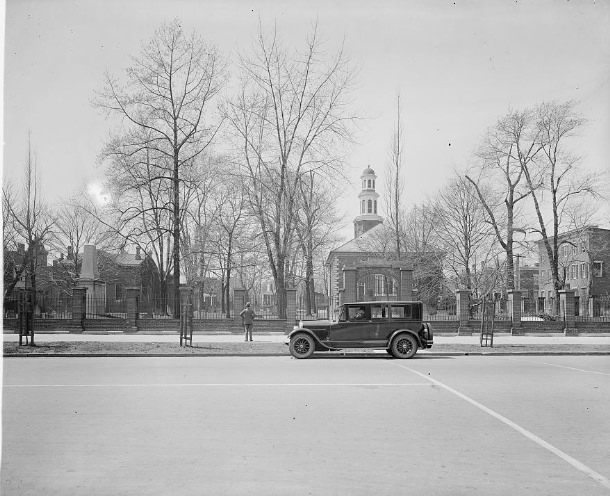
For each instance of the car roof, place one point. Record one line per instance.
(384, 302)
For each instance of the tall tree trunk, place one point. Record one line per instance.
(176, 234)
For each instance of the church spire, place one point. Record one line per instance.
(367, 199)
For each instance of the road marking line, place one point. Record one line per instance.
(556, 365)
(530, 435)
(224, 384)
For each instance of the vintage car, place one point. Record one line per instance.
(395, 326)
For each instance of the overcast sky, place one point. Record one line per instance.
(458, 66)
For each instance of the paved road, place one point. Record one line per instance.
(275, 425)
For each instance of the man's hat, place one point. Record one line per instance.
(248, 304)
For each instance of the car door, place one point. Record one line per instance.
(354, 330)
(380, 327)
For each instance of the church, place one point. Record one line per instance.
(365, 268)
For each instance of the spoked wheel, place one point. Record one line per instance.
(301, 346)
(404, 346)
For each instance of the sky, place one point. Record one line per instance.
(457, 65)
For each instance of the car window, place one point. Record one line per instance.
(356, 313)
(378, 312)
(401, 311)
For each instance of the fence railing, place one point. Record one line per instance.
(59, 307)
(97, 307)
(597, 310)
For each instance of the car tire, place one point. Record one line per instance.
(301, 345)
(404, 346)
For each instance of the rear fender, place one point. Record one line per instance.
(405, 331)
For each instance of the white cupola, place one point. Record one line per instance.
(367, 199)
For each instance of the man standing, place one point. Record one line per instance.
(247, 317)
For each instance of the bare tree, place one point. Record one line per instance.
(315, 229)
(394, 182)
(167, 94)
(506, 149)
(290, 117)
(556, 172)
(463, 232)
(30, 222)
(140, 210)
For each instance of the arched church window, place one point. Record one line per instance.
(369, 184)
(370, 206)
(375, 206)
(373, 184)
(363, 207)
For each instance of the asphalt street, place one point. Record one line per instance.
(329, 425)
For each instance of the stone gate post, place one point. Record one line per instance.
(79, 309)
(514, 310)
(132, 303)
(239, 303)
(568, 311)
(291, 308)
(462, 309)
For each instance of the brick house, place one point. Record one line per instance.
(584, 266)
(123, 270)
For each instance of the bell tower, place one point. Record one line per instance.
(367, 199)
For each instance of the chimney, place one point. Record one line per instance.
(138, 257)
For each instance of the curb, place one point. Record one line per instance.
(327, 355)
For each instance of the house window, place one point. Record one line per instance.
(566, 251)
(574, 271)
(574, 250)
(118, 292)
(267, 300)
(598, 269)
(583, 245)
(584, 273)
(379, 285)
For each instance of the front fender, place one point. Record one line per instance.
(319, 344)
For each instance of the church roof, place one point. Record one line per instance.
(368, 170)
(359, 244)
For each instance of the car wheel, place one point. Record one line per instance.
(404, 346)
(301, 346)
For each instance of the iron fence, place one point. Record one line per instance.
(156, 308)
(99, 307)
(598, 310)
(46, 307)
(446, 310)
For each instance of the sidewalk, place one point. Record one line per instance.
(499, 339)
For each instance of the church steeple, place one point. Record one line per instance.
(367, 199)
